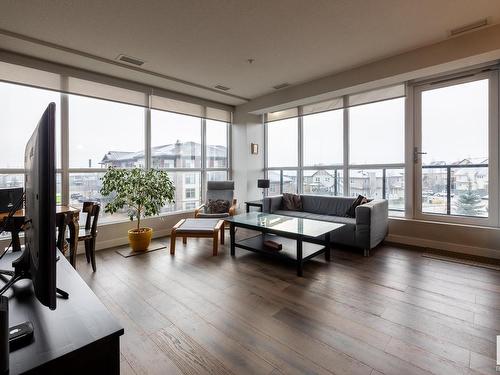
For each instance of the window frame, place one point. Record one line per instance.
(411, 113)
(345, 166)
(493, 219)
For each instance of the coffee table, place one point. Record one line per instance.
(302, 239)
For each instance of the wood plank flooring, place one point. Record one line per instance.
(393, 313)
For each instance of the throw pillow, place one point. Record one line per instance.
(291, 202)
(219, 206)
(351, 212)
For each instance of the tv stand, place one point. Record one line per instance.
(88, 343)
(21, 272)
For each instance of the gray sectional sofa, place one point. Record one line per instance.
(365, 231)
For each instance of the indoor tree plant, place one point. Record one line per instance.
(142, 192)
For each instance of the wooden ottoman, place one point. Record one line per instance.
(198, 228)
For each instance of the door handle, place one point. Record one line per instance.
(416, 153)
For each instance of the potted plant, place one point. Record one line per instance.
(142, 192)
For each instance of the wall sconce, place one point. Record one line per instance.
(254, 148)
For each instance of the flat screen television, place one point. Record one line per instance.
(40, 208)
(38, 260)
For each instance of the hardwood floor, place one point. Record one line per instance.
(393, 313)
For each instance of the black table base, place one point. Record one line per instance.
(296, 248)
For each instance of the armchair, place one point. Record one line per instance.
(223, 190)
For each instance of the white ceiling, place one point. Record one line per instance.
(208, 42)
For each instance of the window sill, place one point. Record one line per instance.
(165, 214)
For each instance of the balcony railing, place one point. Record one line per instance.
(384, 186)
(442, 176)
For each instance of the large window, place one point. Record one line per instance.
(376, 140)
(323, 181)
(103, 133)
(282, 143)
(450, 156)
(454, 128)
(187, 191)
(376, 132)
(175, 140)
(86, 187)
(22, 108)
(177, 143)
(216, 145)
(323, 138)
(374, 161)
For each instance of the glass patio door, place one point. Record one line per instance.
(455, 159)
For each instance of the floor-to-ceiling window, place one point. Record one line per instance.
(216, 150)
(456, 124)
(176, 147)
(95, 131)
(376, 151)
(445, 155)
(21, 110)
(102, 134)
(283, 156)
(323, 153)
(357, 147)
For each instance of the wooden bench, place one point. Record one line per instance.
(198, 228)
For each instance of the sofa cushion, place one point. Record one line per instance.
(218, 206)
(326, 205)
(291, 202)
(351, 211)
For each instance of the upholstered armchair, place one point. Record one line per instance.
(218, 190)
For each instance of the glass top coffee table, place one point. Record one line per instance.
(301, 239)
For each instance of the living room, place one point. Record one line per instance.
(250, 187)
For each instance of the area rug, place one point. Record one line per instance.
(127, 252)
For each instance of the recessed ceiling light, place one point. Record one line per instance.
(281, 86)
(220, 87)
(130, 60)
(469, 27)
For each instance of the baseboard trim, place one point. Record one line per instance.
(446, 246)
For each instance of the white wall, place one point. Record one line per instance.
(247, 168)
(457, 238)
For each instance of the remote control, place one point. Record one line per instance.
(20, 335)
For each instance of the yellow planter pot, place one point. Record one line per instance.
(139, 240)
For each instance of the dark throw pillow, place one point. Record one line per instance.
(219, 206)
(291, 202)
(351, 212)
